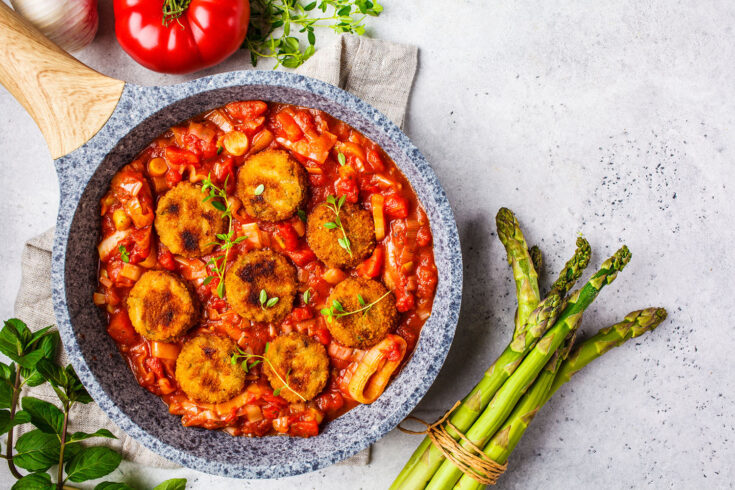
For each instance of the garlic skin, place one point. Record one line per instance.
(72, 24)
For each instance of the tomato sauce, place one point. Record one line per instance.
(339, 161)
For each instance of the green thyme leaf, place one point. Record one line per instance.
(307, 296)
(124, 255)
(271, 302)
(259, 190)
(263, 297)
(341, 159)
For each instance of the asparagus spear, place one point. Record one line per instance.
(507, 396)
(537, 259)
(506, 439)
(427, 458)
(524, 274)
(502, 444)
(634, 325)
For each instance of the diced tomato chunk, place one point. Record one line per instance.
(166, 258)
(154, 364)
(396, 206)
(173, 177)
(347, 188)
(423, 236)
(302, 313)
(330, 401)
(223, 170)
(302, 256)
(121, 329)
(323, 336)
(372, 266)
(246, 110)
(290, 129)
(179, 156)
(304, 429)
(375, 161)
(288, 235)
(404, 301)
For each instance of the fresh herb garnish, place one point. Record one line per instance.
(266, 16)
(259, 190)
(336, 310)
(336, 205)
(307, 296)
(225, 242)
(33, 363)
(124, 255)
(341, 159)
(247, 366)
(265, 301)
(219, 149)
(301, 214)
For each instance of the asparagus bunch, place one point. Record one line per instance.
(536, 362)
(426, 459)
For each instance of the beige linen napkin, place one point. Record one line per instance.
(379, 72)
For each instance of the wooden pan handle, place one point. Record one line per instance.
(69, 101)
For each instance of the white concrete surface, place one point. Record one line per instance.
(613, 119)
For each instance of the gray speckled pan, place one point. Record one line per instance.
(84, 174)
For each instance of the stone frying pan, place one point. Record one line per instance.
(94, 125)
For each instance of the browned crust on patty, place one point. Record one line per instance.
(284, 181)
(302, 362)
(362, 329)
(161, 306)
(204, 371)
(261, 270)
(358, 225)
(185, 223)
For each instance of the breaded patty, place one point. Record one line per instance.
(254, 272)
(284, 185)
(299, 360)
(161, 306)
(367, 327)
(359, 228)
(185, 223)
(204, 370)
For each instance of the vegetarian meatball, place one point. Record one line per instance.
(185, 223)
(374, 316)
(301, 362)
(261, 286)
(322, 235)
(283, 181)
(161, 306)
(204, 370)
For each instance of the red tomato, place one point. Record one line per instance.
(205, 34)
(302, 256)
(246, 110)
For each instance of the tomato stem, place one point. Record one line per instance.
(173, 9)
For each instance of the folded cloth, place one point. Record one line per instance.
(379, 72)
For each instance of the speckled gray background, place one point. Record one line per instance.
(583, 117)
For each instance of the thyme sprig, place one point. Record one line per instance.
(287, 16)
(247, 365)
(218, 264)
(336, 310)
(335, 205)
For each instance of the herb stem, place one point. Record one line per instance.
(247, 357)
(13, 406)
(60, 471)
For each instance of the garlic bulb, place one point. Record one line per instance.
(72, 24)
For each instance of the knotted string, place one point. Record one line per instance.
(471, 460)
